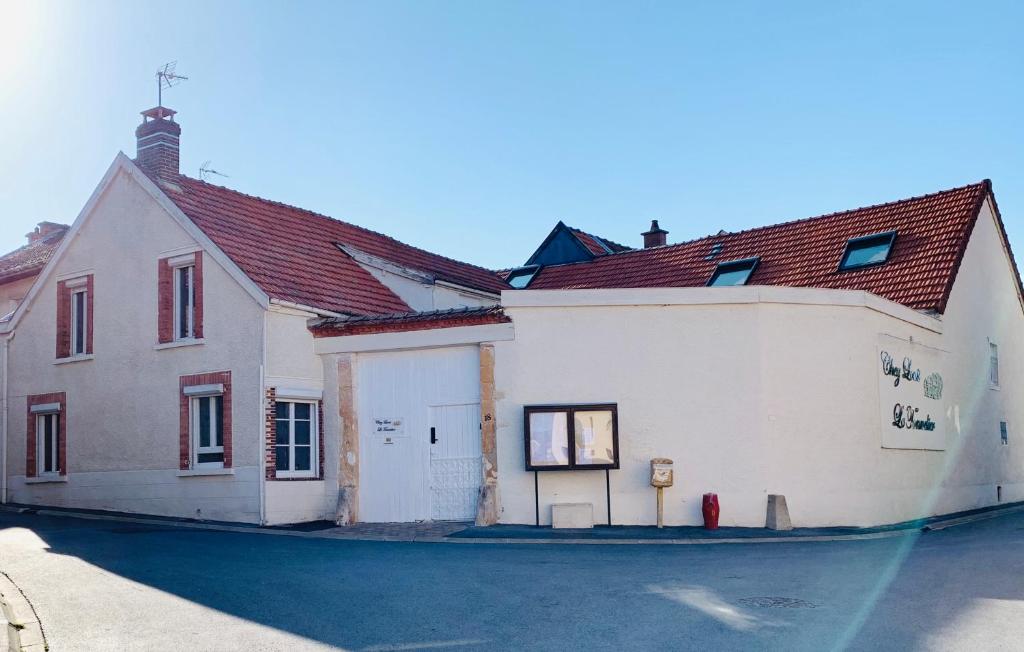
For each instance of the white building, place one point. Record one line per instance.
(192, 351)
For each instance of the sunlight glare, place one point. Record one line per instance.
(20, 28)
(21, 538)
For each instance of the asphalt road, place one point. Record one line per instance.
(100, 585)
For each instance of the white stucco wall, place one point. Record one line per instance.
(984, 306)
(122, 405)
(755, 391)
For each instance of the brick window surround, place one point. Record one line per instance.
(270, 428)
(184, 422)
(65, 289)
(30, 443)
(165, 299)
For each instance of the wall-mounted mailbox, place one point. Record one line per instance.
(661, 472)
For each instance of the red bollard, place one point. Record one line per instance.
(710, 509)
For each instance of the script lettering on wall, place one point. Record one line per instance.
(913, 412)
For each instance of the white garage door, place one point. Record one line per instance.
(407, 471)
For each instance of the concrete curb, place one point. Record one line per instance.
(336, 536)
(953, 522)
(697, 542)
(24, 631)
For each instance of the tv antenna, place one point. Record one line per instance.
(205, 171)
(165, 78)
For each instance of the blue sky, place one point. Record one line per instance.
(471, 128)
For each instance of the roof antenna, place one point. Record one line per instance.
(205, 171)
(165, 78)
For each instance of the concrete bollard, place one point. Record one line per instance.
(572, 515)
(778, 513)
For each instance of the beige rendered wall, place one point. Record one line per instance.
(292, 364)
(753, 397)
(12, 294)
(122, 405)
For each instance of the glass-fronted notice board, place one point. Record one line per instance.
(567, 437)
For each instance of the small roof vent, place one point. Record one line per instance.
(716, 249)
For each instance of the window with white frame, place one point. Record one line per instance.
(48, 434)
(79, 321)
(184, 301)
(206, 416)
(296, 431)
(993, 365)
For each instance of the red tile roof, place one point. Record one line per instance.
(411, 321)
(597, 245)
(932, 233)
(292, 254)
(29, 260)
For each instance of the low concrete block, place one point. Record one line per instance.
(572, 515)
(778, 513)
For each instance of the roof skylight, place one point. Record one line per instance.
(521, 277)
(736, 272)
(867, 250)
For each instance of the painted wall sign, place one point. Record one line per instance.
(913, 412)
(388, 427)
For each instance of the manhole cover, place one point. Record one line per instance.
(776, 602)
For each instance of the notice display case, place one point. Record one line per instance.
(571, 437)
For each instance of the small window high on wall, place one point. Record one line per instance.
(79, 320)
(184, 302)
(180, 299)
(74, 317)
(867, 251)
(993, 365)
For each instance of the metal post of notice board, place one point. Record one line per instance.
(536, 496)
(608, 492)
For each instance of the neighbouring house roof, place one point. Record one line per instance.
(29, 260)
(566, 244)
(597, 245)
(932, 234)
(293, 254)
(410, 321)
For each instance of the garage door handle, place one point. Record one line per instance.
(433, 435)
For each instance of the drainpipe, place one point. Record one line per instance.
(262, 422)
(6, 339)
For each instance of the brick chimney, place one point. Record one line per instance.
(45, 229)
(655, 237)
(156, 150)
